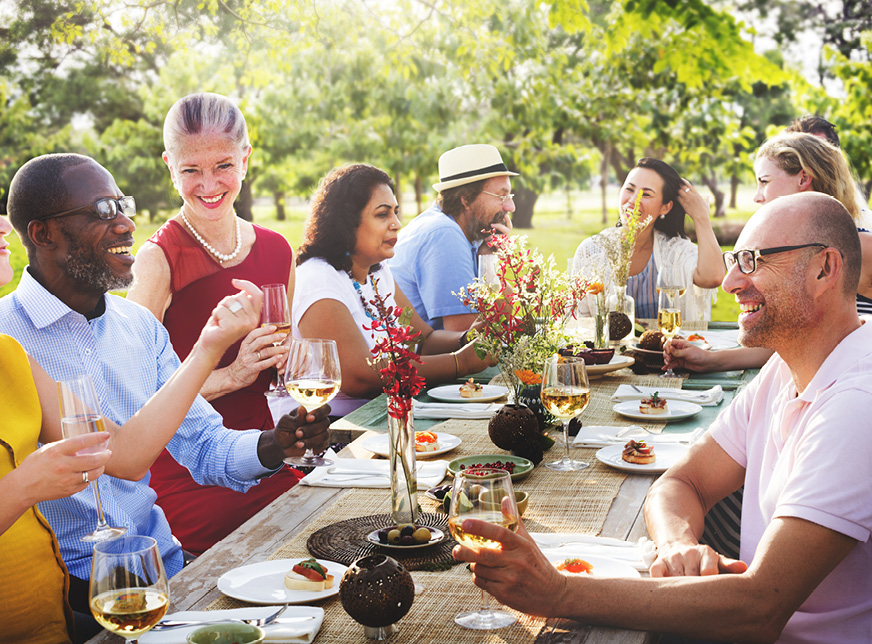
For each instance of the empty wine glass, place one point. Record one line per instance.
(128, 587)
(486, 495)
(80, 414)
(275, 313)
(565, 393)
(312, 378)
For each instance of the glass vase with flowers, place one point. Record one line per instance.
(394, 358)
(522, 319)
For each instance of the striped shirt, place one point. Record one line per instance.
(864, 304)
(643, 289)
(128, 354)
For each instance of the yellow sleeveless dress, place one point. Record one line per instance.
(33, 578)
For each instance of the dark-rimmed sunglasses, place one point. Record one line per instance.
(746, 259)
(106, 209)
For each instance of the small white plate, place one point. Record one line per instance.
(379, 445)
(602, 566)
(617, 362)
(436, 536)
(451, 393)
(675, 410)
(264, 582)
(668, 454)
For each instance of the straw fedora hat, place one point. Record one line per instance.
(470, 163)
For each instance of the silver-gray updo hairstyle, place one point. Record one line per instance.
(204, 113)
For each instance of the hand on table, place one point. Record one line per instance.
(681, 354)
(693, 560)
(517, 573)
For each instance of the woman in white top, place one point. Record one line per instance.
(351, 230)
(666, 199)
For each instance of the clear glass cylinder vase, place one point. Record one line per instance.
(404, 478)
(621, 317)
(599, 304)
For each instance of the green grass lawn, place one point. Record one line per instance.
(555, 232)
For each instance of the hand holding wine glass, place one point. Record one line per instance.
(312, 378)
(80, 414)
(486, 495)
(276, 313)
(565, 393)
(128, 587)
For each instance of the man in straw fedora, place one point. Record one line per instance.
(437, 251)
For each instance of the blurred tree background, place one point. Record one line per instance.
(572, 91)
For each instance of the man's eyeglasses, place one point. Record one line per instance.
(503, 198)
(747, 259)
(107, 208)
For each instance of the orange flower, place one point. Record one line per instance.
(595, 288)
(528, 377)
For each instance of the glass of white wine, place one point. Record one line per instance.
(80, 414)
(312, 378)
(474, 496)
(565, 393)
(128, 587)
(671, 287)
(276, 313)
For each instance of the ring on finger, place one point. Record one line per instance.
(234, 307)
(85, 478)
(257, 353)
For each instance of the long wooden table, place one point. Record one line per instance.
(291, 514)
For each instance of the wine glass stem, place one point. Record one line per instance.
(101, 518)
(485, 604)
(566, 439)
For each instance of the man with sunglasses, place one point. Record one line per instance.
(437, 252)
(77, 228)
(798, 437)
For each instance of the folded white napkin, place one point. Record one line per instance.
(352, 472)
(604, 435)
(287, 628)
(454, 410)
(640, 555)
(706, 397)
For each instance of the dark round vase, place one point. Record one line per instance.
(377, 591)
(530, 396)
(516, 429)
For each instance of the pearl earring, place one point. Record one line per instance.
(662, 216)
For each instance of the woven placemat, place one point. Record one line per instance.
(346, 542)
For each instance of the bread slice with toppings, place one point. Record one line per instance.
(308, 575)
(653, 405)
(638, 452)
(471, 389)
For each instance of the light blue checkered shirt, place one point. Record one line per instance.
(129, 356)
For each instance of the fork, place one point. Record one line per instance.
(631, 428)
(256, 621)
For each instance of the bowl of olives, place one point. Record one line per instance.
(406, 535)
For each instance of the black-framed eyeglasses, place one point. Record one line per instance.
(107, 208)
(747, 259)
(503, 198)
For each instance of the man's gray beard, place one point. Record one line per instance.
(84, 265)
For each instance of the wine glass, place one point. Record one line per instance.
(80, 414)
(565, 393)
(486, 495)
(312, 378)
(275, 313)
(128, 588)
(670, 288)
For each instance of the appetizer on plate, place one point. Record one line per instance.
(405, 534)
(426, 442)
(654, 405)
(575, 566)
(638, 452)
(652, 341)
(471, 389)
(308, 575)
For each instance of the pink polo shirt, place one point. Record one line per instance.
(810, 457)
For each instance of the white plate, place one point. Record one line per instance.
(667, 455)
(264, 582)
(617, 362)
(602, 566)
(436, 536)
(379, 445)
(675, 410)
(451, 393)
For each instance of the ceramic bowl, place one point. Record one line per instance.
(227, 633)
(490, 501)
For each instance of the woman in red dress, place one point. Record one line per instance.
(188, 263)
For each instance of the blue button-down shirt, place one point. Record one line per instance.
(129, 356)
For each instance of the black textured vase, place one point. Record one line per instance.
(377, 591)
(515, 428)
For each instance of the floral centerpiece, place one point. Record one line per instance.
(619, 253)
(522, 319)
(394, 358)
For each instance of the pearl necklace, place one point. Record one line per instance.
(221, 257)
(366, 309)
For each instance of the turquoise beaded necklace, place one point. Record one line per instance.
(366, 309)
